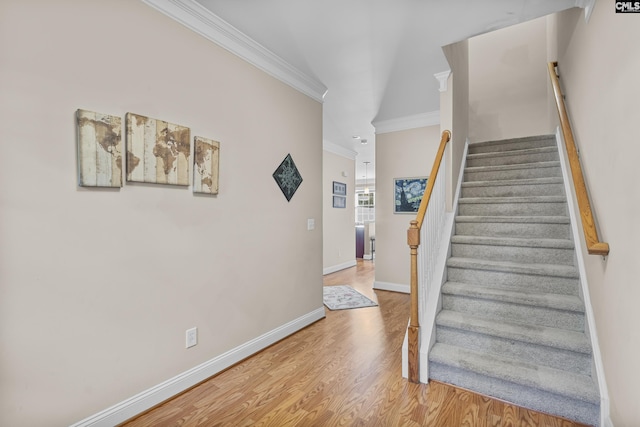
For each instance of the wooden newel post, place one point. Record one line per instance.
(413, 240)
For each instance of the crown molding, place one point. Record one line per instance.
(588, 6)
(442, 79)
(200, 20)
(409, 122)
(338, 149)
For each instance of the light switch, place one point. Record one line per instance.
(311, 224)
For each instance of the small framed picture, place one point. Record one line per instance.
(339, 202)
(408, 194)
(339, 189)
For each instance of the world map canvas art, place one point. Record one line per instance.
(206, 165)
(99, 149)
(157, 151)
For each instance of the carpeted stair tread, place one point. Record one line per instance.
(513, 241)
(511, 182)
(507, 153)
(508, 144)
(532, 165)
(576, 386)
(547, 300)
(550, 219)
(518, 205)
(512, 200)
(555, 270)
(519, 156)
(540, 335)
(547, 248)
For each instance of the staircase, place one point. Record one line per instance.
(512, 324)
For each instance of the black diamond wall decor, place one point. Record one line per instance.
(288, 177)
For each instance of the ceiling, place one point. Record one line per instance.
(377, 58)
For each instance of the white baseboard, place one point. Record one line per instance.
(155, 395)
(394, 287)
(339, 267)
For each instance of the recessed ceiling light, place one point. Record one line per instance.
(356, 137)
(363, 141)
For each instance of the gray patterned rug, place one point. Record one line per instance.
(343, 297)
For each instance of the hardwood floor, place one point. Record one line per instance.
(344, 370)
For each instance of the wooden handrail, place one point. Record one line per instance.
(594, 245)
(413, 240)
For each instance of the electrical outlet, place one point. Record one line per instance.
(192, 337)
(311, 224)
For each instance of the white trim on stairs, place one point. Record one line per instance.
(338, 267)
(167, 389)
(605, 410)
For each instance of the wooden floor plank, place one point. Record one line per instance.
(344, 370)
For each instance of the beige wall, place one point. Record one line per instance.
(508, 82)
(407, 153)
(339, 241)
(600, 63)
(97, 287)
(457, 55)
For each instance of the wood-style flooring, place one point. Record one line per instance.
(344, 370)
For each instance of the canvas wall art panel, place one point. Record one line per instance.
(206, 159)
(99, 149)
(288, 177)
(157, 151)
(408, 194)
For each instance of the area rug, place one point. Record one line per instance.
(343, 297)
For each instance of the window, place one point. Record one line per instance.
(365, 207)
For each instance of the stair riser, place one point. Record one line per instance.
(516, 145)
(514, 190)
(512, 209)
(490, 175)
(513, 229)
(532, 398)
(513, 253)
(514, 159)
(514, 281)
(552, 357)
(499, 310)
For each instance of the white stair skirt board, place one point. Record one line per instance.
(166, 390)
(393, 287)
(339, 267)
(605, 410)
